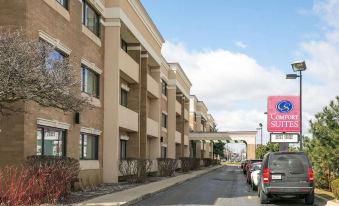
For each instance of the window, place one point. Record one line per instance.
(89, 81)
(123, 45)
(123, 97)
(90, 18)
(63, 3)
(164, 87)
(123, 149)
(53, 57)
(194, 149)
(89, 147)
(51, 141)
(164, 120)
(195, 117)
(163, 152)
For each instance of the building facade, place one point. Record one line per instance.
(201, 121)
(141, 103)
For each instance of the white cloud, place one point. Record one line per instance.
(240, 44)
(235, 87)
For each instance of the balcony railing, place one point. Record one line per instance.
(128, 66)
(128, 119)
(177, 107)
(153, 128)
(153, 87)
(177, 137)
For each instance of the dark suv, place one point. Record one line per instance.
(286, 174)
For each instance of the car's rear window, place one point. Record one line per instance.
(294, 163)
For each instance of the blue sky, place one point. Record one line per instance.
(272, 30)
(237, 52)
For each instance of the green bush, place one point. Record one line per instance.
(335, 188)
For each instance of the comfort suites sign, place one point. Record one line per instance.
(283, 114)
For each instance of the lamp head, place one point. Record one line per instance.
(291, 76)
(298, 66)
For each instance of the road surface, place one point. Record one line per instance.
(225, 186)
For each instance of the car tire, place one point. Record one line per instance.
(254, 188)
(263, 198)
(309, 199)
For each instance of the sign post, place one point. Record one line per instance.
(283, 119)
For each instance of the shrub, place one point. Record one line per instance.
(62, 173)
(186, 164)
(167, 166)
(335, 188)
(195, 163)
(39, 180)
(135, 170)
(207, 162)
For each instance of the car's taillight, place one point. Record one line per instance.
(310, 175)
(266, 175)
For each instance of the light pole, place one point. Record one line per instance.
(298, 66)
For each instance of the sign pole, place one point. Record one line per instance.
(301, 124)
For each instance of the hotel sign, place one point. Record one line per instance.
(283, 114)
(284, 137)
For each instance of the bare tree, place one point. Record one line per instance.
(31, 70)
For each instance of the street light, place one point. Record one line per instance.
(298, 66)
(260, 125)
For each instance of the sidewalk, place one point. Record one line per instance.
(136, 194)
(327, 197)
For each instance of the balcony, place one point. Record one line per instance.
(128, 119)
(152, 128)
(177, 137)
(153, 87)
(129, 67)
(186, 115)
(186, 141)
(177, 108)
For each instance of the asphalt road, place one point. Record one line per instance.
(225, 186)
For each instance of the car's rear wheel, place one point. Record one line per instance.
(263, 198)
(309, 199)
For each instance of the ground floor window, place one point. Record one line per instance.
(123, 149)
(163, 152)
(51, 141)
(89, 146)
(194, 149)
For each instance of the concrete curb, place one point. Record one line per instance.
(136, 199)
(328, 202)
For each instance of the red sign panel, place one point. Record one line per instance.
(283, 114)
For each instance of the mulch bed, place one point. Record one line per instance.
(104, 189)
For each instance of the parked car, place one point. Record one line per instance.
(255, 170)
(248, 169)
(242, 164)
(286, 174)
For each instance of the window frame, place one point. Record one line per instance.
(163, 152)
(63, 3)
(86, 5)
(123, 97)
(164, 120)
(96, 146)
(124, 45)
(83, 81)
(64, 139)
(164, 87)
(123, 151)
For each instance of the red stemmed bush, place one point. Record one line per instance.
(39, 180)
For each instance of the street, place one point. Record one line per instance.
(224, 186)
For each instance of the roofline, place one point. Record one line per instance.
(148, 19)
(203, 103)
(182, 71)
